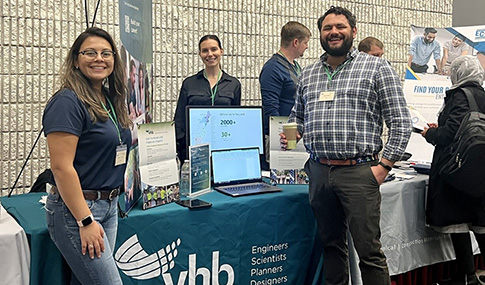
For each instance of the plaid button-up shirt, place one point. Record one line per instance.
(367, 92)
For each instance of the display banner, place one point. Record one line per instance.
(424, 91)
(137, 55)
(252, 240)
(136, 28)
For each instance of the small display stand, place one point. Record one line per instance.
(200, 170)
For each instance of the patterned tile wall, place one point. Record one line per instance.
(35, 36)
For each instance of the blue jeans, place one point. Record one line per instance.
(64, 232)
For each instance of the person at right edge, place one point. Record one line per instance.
(448, 210)
(341, 102)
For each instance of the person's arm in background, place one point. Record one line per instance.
(438, 66)
(437, 58)
(444, 135)
(297, 114)
(396, 116)
(62, 149)
(464, 48)
(444, 59)
(132, 111)
(410, 60)
(271, 83)
(412, 51)
(180, 122)
(237, 95)
(481, 58)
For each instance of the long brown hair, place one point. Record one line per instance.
(73, 79)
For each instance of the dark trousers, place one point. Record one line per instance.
(419, 68)
(464, 253)
(348, 197)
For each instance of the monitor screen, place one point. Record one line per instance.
(225, 127)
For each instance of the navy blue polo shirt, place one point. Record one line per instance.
(96, 149)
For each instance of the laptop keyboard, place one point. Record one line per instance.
(245, 187)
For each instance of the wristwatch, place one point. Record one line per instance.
(385, 166)
(86, 221)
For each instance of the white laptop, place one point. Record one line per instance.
(237, 172)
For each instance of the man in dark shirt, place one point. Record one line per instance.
(280, 74)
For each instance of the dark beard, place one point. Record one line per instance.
(341, 51)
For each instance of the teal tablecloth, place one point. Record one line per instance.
(248, 239)
(260, 239)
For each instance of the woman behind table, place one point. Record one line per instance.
(87, 129)
(449, 210)
(210, 86)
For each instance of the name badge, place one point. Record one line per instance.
(326, 96)
(120, 155)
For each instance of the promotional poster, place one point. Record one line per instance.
(427, 75)
(137, 56)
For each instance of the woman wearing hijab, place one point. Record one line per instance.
(449, 210)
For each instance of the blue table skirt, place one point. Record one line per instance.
(248, 240)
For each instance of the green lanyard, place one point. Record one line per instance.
(330, 76)
(213, 90)
(296, 67)
(115, 119)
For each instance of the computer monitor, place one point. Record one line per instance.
(225, 127)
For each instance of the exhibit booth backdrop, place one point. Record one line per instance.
(36, 35)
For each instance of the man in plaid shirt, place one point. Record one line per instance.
(341, 103)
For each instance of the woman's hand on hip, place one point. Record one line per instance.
(92, 239)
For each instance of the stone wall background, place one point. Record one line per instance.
(35, 36)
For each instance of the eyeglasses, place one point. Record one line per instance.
(92, 54)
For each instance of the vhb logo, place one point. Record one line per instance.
(480, 34)
(135, 262)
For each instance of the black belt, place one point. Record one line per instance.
(94, 195)
(343, 162)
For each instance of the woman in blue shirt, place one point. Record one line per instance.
(87, 128)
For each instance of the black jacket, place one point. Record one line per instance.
(446, 205)
(196, 91)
